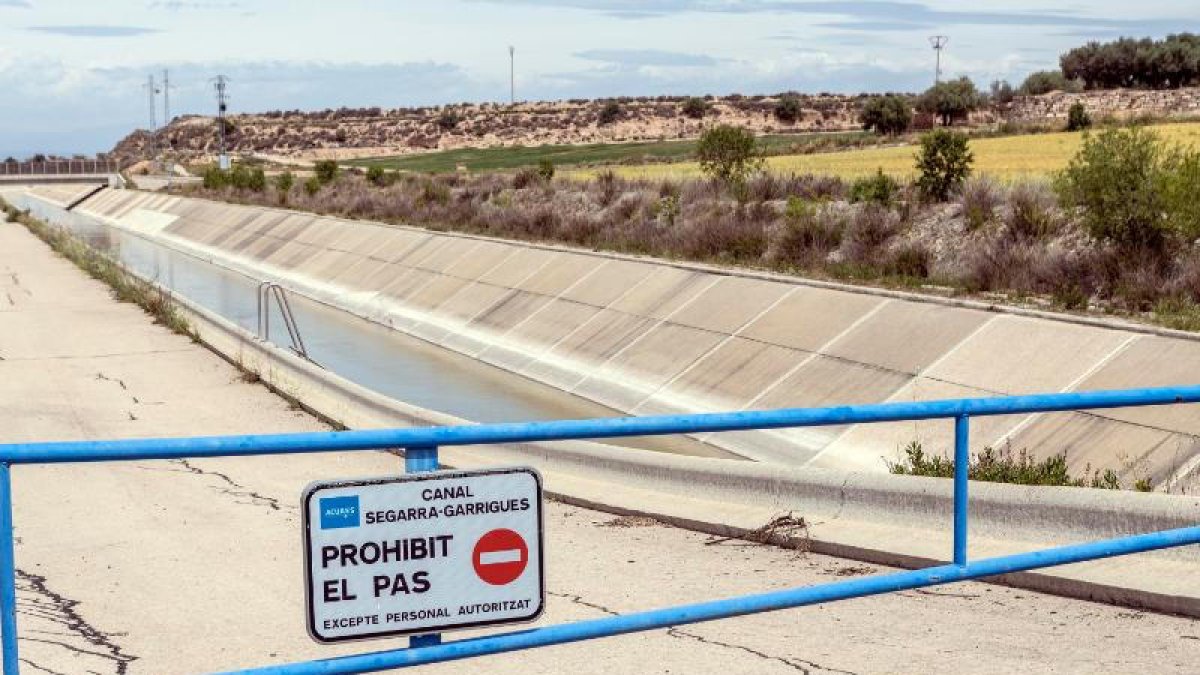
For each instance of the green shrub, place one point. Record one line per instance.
(611, 112)
(285, 181)
(667, 210)
(1117, 178)
(326, 170)
(545, 170)
(215, 179)
(526, 177)
(808, 233)
(728, 153)
(909, 260)
(1078, 118)
(1031, 212)
(239, 177)
(889, 114)
(312, 186)
(980, 197)
(1002, 466)
(433, 192)
(1181, 192)
(376, 175)
(694, 107)
(257, 180)
(943, 163)
(788, 109)
(877, 189)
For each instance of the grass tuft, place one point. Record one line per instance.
(124, 285)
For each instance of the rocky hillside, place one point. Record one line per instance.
(358, 132)
(362, 132)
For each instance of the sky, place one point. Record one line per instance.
(73, 73)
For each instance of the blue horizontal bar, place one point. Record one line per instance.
(722, 609)
(524, 432)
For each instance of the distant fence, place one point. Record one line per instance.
(60, 167)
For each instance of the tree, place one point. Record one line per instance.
(611, 112)
(545, 169)
(1002, 92)
(1078, 118)
(889, 114)
(944, 163)
(1046, 81)
(728, 153)
(788, 109)
(694, 107)
(1117, 177)
(951, 100)
(376, 175)
(1171, 62)
(325, 170)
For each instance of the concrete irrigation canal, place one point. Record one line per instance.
(122, 566)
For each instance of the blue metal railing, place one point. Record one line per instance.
(421, 454)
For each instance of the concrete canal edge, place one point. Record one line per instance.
(899, 521)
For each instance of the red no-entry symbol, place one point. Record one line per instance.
(500, 557)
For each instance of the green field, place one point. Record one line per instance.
(515, 157)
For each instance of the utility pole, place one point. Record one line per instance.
(151, 92)
(939, 43)
(166, 90)
(219, 83)
(512, 75)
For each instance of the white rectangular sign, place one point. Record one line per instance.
(423, 553)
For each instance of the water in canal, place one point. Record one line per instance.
(377, 357)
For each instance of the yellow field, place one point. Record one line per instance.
(1006, 159)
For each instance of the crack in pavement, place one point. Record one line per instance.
(802, 665)
(102, 376)
(62, 611)
(44, 669)
(238, 490)
(578, 600)
(806, 667)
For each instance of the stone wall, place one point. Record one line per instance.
(1120, 103)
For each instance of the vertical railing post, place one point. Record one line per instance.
(421, 460)
(8, 575)
(962, 461)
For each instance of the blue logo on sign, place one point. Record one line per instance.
(338, 512)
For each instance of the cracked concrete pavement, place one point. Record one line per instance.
(194, 565)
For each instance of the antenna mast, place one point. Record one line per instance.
(151, 91)
(939, 43)
(512, 75)
(219, 83)
(166, 91)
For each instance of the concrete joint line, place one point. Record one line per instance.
(920, 375)
(1105, 360)
(779, 433)
(602, 368)
(573, 364)
(546, 306)
(700, 359)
